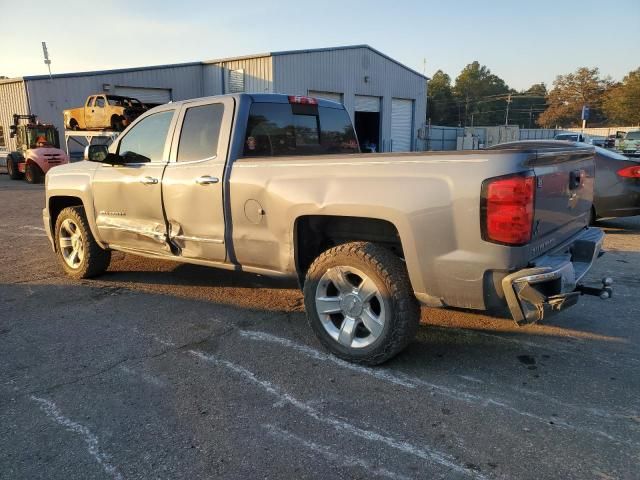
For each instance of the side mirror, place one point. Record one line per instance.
(96, 153)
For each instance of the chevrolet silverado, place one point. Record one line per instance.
(276, 185)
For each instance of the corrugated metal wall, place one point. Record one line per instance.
(355, 71)
(13, 99)
(48, 97)
(258, 75)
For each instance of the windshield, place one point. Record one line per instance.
(42, 137)
(122, 101)
(633, 136)
(280, 129)
(567, 136)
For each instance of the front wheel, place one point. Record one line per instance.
(33, 174)
(12, 168)
(77, 250)
(360, 303)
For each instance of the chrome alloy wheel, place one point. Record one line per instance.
(350, 307)
(71, 243)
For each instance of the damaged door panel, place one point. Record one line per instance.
(128, 196)
(192, 185)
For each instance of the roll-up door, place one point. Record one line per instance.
(146, 95)
(401, 124)
(334, 97)
(366, 103)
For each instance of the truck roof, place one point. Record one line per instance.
(263, 98)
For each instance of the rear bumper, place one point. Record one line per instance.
(553, 283)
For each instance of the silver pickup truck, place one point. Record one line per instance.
(276, 185)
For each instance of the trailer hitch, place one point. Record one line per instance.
(604, 292)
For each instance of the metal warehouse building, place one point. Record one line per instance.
(386, 99)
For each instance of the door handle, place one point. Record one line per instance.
(149, 180)
(206, 180)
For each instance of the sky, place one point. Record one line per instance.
(522, 42)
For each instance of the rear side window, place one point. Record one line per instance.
(200, 132)
(281, 129)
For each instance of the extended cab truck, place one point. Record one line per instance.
(103, 112)
(275, 185)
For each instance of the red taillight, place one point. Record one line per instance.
(507, 210)
(630, 172)
(302, 100)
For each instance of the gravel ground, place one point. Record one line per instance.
(163, 370)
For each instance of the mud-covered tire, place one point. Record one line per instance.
(33, 173)
(389, 274)
(12, 168)
(95, 260)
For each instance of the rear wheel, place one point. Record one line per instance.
(33, 174)
(77, 250)
(12, 168)
(360, 303)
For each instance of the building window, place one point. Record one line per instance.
(2, 141)
(236, 81)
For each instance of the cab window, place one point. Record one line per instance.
(100, 102)
(200, 132)
(280, 129)
(90, 101)
(145, 141)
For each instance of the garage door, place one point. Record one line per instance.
(146, 95)
(401, 124)
(366, 103)
(334, 97)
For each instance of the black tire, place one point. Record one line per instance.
(33, 173)
(391, 279)
(73, 124)
(12, 168)
(95, 260)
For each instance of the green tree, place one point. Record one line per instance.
(568, 95)
(441, 103)
(527, 105)
(622, 102)
(481, 95)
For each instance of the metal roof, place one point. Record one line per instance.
(206, 62)
(316, 50)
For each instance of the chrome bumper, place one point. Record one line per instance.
(553, 282)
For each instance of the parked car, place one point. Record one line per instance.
(573, 137)
(617, 180)
(274, 184)
(103, 112)
(629, 145)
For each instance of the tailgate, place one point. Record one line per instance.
(563, 196)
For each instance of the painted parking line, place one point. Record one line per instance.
(412, 382)
(341, 459)
(52, 411)
(424, 453)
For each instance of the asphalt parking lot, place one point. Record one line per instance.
(163, 370)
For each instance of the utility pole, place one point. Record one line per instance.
(47, 62)
(530, 114)
(506, 117)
